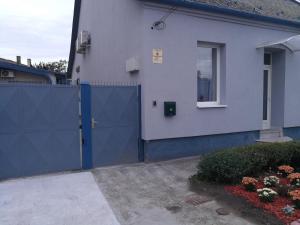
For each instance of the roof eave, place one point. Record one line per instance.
(75, 28)
(226, 11)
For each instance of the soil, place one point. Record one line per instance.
(237, 205)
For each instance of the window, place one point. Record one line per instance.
(208, 74)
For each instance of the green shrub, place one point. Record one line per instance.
(295, 160)
(231, 165)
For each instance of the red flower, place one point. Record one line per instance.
(274, 208)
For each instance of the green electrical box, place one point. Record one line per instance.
(170, 109)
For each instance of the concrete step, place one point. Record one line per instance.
(274, 135)
(271, 133)
(275, 140)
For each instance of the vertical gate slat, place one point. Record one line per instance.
(86, 117)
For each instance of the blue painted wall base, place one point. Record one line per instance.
(166, 149)
(292, 132)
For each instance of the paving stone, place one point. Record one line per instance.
(222, 212)
(174, 208)
(144, 192)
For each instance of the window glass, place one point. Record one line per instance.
(207, 60)
(268, 59)
(265, 97)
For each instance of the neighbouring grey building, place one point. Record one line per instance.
(213, 73)
(11, 71)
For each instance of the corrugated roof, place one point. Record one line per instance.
(7, 60)
(283, 9)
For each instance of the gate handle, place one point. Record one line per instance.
(94, 122)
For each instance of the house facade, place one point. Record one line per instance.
(214, 74)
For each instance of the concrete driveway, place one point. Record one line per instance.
(158, 194)
(67, 199)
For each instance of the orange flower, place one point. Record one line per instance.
(295, 195)
(294, 176)
(286, 169)
(249, 180)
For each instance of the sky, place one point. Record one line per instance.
(36, 29)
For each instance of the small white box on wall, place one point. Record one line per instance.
(132, 65)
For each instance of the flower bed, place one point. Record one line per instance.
(281, 199)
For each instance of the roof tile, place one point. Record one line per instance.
(283, 9)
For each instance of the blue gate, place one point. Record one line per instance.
(39, 129)
(111, 125)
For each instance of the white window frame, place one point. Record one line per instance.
(216, 103)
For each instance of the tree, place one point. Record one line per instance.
(56, 67)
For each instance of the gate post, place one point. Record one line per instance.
(86, 118)
(141, 154)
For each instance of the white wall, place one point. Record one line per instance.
(175, 79)
(115, 27)
(121, 29)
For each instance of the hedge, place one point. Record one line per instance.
(231, 165)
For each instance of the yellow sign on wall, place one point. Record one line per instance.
(157, 56)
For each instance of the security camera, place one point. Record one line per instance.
(159, 25)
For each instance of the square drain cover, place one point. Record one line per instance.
(197, 200)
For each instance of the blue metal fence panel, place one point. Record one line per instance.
(115, 134)
(39, 129)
